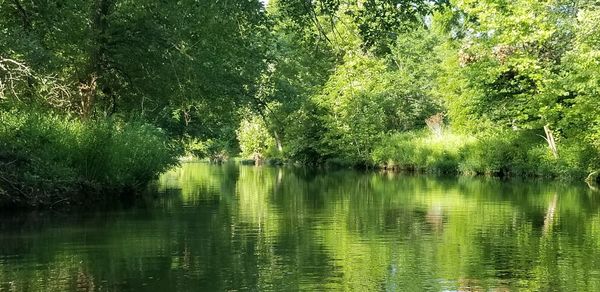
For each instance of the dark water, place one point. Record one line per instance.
(216, 228)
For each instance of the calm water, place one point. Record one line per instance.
(216, 228)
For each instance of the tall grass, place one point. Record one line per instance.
(47, 158)
(506, 154)
(419, 151)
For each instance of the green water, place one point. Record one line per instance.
(216, 228)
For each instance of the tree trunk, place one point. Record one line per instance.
(551, 142)
(88, 87)
(87, 92)
(268, 125)
(278, 141)
(24, 15)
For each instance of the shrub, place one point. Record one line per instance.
(499, 154)
(254, 138)
(46, 158)
(502, 153)
(421, 152)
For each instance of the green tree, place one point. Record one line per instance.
(255, 139)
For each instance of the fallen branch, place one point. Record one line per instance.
(592, 180)
(550, 140)
(59, 201)
(12, 185)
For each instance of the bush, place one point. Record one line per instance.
(420, 152)
(46, 158)
(505, 154)
(254, 138)
(576, 160)
(498, 154)
(215, 150)
(525, 153)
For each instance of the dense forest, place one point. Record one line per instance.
(98, 97)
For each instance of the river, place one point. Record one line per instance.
(246, 228)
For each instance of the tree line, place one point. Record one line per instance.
(108, 93)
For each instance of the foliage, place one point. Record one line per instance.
(505, 154)
(420, 151)
(581, 115)
(109, 74)
(497, 71)
(47, 158)
(315, 82)
(255, 139)
(140, 58)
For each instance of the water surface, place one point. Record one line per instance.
(239, 228)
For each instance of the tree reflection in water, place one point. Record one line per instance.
(232, 227)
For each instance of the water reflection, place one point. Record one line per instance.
(258, 228)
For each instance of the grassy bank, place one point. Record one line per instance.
(48, 160)
(506, 154)
(521, 153)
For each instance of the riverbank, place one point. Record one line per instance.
(507, 154)
(51, 161)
